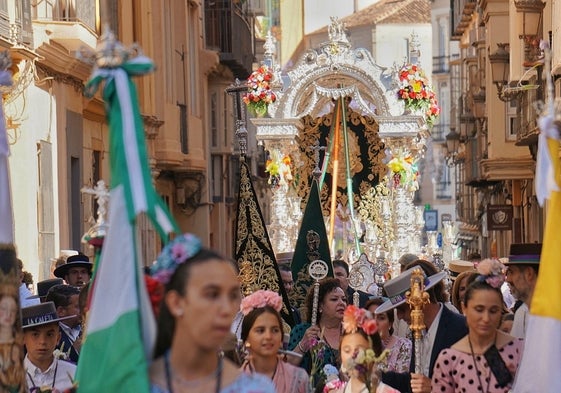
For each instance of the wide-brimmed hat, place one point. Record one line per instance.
(524, 254)
(40, 314)
(79, 260)
(459, 266)
(44, 286)
(398, 286)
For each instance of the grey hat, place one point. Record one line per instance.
(40, 314)
(398, 286)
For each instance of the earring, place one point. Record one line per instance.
(248, 345)
(179, 312)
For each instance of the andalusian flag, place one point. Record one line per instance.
(540, 369)
(6, 213)
(121, 328)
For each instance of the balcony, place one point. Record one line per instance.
(73, 11)
(18, 31)
(527, 133)
(440, 64)
(462, 11)
(228, 31)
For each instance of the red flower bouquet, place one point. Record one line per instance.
(259, 93)
(414, 88)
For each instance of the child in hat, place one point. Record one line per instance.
(41, 332)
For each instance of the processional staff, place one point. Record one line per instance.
(417, 297)
(317, 270)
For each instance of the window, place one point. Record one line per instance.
(217, 183)
(213, 119)
(512, 120)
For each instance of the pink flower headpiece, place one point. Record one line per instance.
(260, 299)
(356, 318)
(491, 271)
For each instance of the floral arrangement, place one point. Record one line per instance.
(279, 169)
(260, 299)
(155, 293)
(491, 271)
(356, 318)
(332, 381)
(404, 172)
(259, 93)
(414, 88)
(317, 354)
(174, 253)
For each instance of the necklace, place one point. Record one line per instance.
(170, 374)
(325, 337)
(54, 377)
(477, 369)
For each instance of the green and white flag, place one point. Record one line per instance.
(121, 328)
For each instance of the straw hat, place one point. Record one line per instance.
(458, 266)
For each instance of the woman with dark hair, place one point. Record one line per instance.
(202, 296)
(460, 286)
(399, 357)
(362, 353)
(486, 359)
(262, 334)
(324, 337)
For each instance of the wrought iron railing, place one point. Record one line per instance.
(83, 11)
(228, 31)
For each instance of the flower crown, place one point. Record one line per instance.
(356, 318)
(174, 254)
(260, 299)
(491, 271)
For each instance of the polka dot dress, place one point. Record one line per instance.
(454, 371)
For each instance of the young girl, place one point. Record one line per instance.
(262, 333)
(361, 353)
(202, 296)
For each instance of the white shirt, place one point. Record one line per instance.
(519, 323)
(59, 373)
(24, 293)
(73, 333)
(428, 341)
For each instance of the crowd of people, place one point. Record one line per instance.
(341, 342)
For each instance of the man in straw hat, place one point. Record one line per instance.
(41, 335)
(444, 327)
(521, 275)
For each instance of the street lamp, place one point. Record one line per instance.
(500, 63)
(529, 18)
(452, 146)
(499, 66)
(467, 127)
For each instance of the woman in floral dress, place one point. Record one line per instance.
(399, 358)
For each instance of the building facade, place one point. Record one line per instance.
(59, 139)
(498, 79)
